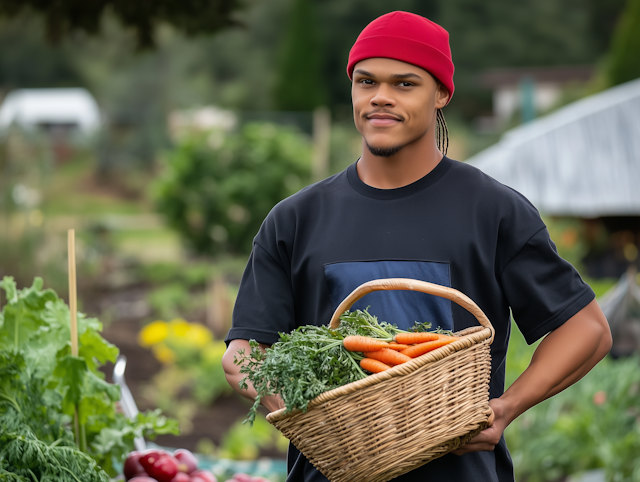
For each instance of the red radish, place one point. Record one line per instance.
(181, 477)
(149, 457)
(205, 475)
(188, 461)
(243, 478)
(143, 478)
(164, 469)
(132, 466)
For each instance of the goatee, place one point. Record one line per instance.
(383, 151)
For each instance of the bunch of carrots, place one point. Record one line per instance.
(311, 360)
(381, 355)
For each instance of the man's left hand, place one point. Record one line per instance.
(490, 436)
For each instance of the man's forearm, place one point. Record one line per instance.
(232, 371)
(563, 357)
(602, 350)
(234, 377)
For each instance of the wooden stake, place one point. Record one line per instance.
(73, 312)
(321, 143)
(73, 300)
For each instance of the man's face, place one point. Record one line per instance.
(394, 103)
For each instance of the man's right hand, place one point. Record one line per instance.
(232, 372)
(272, 403)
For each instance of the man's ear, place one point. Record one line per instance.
(442, 96)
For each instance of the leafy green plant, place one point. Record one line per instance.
(43, 386)
(592, 424)
(243, 442)
(217, 189)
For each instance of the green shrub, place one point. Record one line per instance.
(592, 424)
(217, 189)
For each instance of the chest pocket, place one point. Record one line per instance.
(400, 307)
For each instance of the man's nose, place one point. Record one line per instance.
(383, 97)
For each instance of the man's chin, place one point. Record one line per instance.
(383, 151)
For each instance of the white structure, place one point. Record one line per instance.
(547, 87)
(582, 160)
(31, 108)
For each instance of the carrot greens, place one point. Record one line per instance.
(311, 360)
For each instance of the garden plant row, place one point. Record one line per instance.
(43, 389)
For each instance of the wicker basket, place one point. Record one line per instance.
(387, 424)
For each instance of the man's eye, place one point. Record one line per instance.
(406, 84)
(366, 81)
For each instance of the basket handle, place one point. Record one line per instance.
(387, 284)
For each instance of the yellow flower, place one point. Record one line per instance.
(212, 353)
(153, 333)
(164, 354)
(198, 335)
(179, 327)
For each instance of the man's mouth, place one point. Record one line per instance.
(383, 120)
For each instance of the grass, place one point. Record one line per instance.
(74, 189)
(149, 245)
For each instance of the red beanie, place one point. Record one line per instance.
(409, 38)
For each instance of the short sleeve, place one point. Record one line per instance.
(542, 289)
(264, 306)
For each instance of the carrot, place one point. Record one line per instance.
(413, 338)
(397, 346)
(422, 348)
(363, 343)
(373, 366)
(388, 356)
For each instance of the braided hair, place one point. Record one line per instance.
(442, 133)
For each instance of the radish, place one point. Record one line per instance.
(181, 477)
(164, 469)
(204, 475)
(149, 457)
(188, 461)
(243, 477)
(132, 466)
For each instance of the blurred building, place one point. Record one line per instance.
(64, 115)
(50, 109)
(581, 161)
(528, 91)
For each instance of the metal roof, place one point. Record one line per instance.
(581, 160)
(30, 107)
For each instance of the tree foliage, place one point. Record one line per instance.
(190, 16)
(623, 64)
(217, 193)
(240, 68)
(299, 83)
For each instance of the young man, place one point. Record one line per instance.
(404, 210)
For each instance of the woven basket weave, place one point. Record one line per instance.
(387, 424)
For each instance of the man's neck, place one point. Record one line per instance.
(412, 162)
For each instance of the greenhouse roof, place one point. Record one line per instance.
(581, 160)
(31, 107)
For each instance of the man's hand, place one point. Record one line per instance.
(272, 403)
(490, 436)
(563, 357)
(232, 372)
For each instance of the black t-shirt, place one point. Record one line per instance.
(455, 227)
